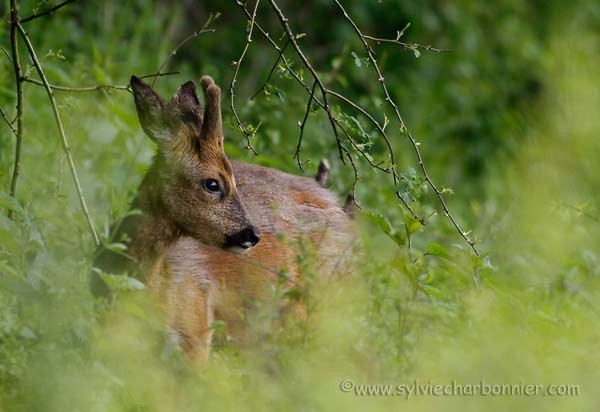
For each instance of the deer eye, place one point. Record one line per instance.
(211, 186)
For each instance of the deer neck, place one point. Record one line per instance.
(154, 231)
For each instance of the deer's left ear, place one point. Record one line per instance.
(187, 104)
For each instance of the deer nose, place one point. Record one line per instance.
(245, 238)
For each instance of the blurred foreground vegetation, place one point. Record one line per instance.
(507, 121)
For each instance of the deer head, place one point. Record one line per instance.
(194, 187)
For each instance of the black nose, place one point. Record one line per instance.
(245, 238)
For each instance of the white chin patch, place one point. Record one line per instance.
(238, 249)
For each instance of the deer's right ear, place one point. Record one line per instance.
(150, 110)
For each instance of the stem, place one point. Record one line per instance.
(63, 137)
(94, 88)
(49, 11)
(279, 56)
(302, 125)
(233, 80)
(14, 22)
(8, 123)
(284, 22)
(174, 51)
(75, 89)
(404, 130)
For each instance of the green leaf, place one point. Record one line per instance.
(116, 247)
(412, 225)
(121, 282)
(293, 294)
(281, 95)
(436, 249)
(380, 220)
(431, 291)
(28, 333)
(11, 203)
(357, 61)
(383, 223)
(218, 325)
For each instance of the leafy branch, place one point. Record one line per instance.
(336, 122)
(249, 135)
(61, 131)
(404, 130)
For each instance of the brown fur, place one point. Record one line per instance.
(179, 241)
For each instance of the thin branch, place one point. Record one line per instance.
(388, 143)
(75, 89)
(46, 12)
(299, 145)
(404, 130)
(159, 74)
(7, 120)
(238, 63)
(359, 150)
(93, 88)
(6, 54)
(284, 22)
(14, 22)
(356, 179)
(381, 130)
(279, 55)
(61, 130)
(408, 46)
(180, 45)
(582, 211)
(378, 126)
(337, 122)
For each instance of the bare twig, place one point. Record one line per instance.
(75, 89)
(180, 45)
(94, 88)
(290, 35)
(14, 22)
(355, 182)
(6, 54)
(46, 12)
(7, 120)
(380, 128)
(582, 211)
(63, 137)
(159, 74)
(299, 145)
(238, 63)
(279, 55)
(404, 130)
(408, 46)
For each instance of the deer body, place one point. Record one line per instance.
(215, 235)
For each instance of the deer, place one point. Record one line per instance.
(214, 234)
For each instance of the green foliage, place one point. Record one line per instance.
(507, 118)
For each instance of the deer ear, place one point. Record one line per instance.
(149, 107)
(187, 103)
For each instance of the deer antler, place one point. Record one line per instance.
(212, 124)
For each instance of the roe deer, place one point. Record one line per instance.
(213, 234)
